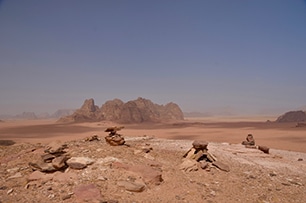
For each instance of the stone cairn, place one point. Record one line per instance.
(53, 159)
(114, 138)
(250, 143)
(199, 157)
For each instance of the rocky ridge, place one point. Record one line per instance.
(292, 116)
(135, 111)
(146, 170)
(32, 116)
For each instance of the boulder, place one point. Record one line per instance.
(59, 162)
(42, 166)
(115, 140)
(79, 162)
(92, 138)
(47, 158)
(189, 165)
(264, 149)
(56, 147)
(203, 164)
(131, 186)
(200, 145)
(221, 166)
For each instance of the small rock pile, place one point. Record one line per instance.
(250, 143)
(92, 138)
(114, 138)
(199, 157)
(53, 159)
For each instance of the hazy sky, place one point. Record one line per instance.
(248, 56)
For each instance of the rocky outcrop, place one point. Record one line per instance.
(292, 116)
(62, 112)
(111, 110)
(135, 111)
(89, 112)
(141, 110)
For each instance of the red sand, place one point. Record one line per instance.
(232, 130)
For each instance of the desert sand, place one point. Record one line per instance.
(152, 162)
(212, 129)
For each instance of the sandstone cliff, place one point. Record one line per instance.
(89, 112)
(135, 111)
(292, 116)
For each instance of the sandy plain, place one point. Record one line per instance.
(253, 176)
(231, 130)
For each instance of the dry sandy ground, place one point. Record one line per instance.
(229, 129)
(253, 177)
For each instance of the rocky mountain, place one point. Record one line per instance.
(292, 116)
(62, 112)
(88, 112)
(26, 115)
(31, 115)
(135, 111)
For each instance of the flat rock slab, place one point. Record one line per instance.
(87, 193)
(264, 149)
(37, 175)
(79, 162)
(200, 145)
(149, 175)
(221, 166)
(189, 165)
(56, 147)
(131, 186)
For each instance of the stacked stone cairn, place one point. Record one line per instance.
(53, 159)
(114, 138)
(199, 157)
(250, 143)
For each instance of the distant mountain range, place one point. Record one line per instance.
(32, 116)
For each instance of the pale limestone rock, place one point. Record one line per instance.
(79, 162)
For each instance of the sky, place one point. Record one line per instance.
(243, 56)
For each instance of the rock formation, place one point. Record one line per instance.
(249, 140)
(114, 138)
(292, 116)
(62, 112)
(89, 112)
(199, 157)
(135, 111)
